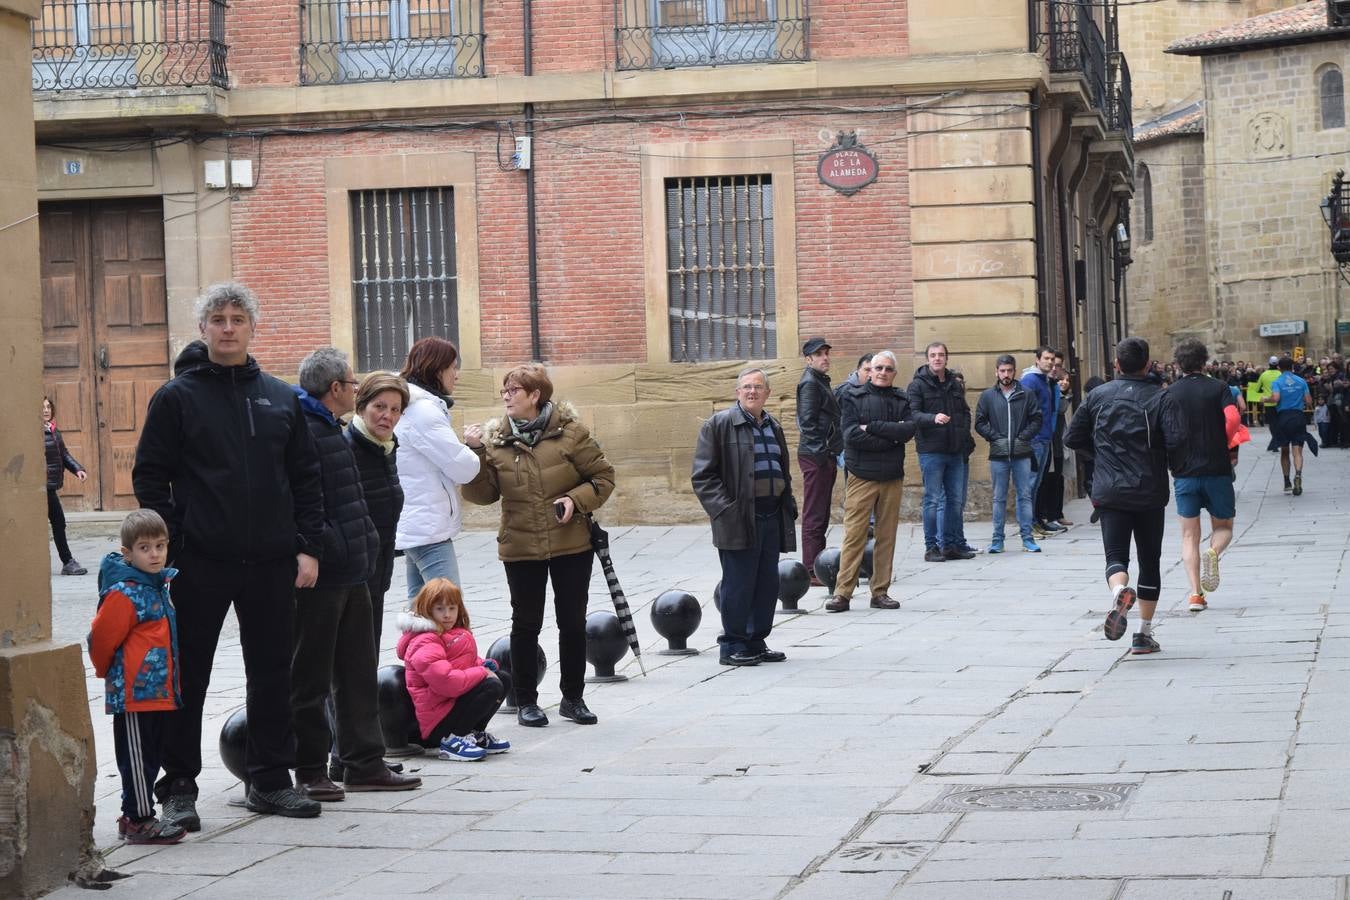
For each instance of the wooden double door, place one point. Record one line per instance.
(105, 336)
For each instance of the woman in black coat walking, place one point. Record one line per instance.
(58, 461)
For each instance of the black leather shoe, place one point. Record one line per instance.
(577, 711)
(933, 554)
(957, 553)
(531, 716)
(740, 658)
(767, 655)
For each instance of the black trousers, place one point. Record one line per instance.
(136, 737)
(472, 712)
(263, 597)
(57, 517)
(527, 579)
(1146, 526)
(335, 651)
(750, 590)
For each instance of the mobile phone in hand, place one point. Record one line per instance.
(559, 510)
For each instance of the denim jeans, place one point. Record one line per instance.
(1020, 469)
(430, 561)
(943, 488)
(965, 491)
(1040, 464)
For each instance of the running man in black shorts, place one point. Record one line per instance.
(1129, 424)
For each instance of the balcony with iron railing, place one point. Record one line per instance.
(1075, 46)
(345, 41)
(120, 44)
(1119, 97)
(670, 34)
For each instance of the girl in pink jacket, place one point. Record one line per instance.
(454, 690)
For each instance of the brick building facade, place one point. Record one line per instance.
(675, 144)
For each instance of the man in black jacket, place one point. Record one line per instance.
(1130, 424)
(877, 423)
(743, 478)
(1008, 417)
(820, 441)
(941, 442)
(226, 459)
(334, 643)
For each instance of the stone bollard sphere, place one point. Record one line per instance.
(605, 645)
(793, 583)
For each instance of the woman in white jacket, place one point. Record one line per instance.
(432, 464)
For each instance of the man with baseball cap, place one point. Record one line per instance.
(820, 443)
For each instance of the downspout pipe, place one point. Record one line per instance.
(531, 220)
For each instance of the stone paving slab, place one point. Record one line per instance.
(814, 778)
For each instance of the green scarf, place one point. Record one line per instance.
(529, 431)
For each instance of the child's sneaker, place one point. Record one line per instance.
(1197, 603)
(490, 743)
(149, 831)
(462, 748)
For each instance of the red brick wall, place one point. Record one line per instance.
(853, 257)
(264, 41)
(859, 28)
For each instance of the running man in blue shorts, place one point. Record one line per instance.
(1289, 430)
(1202, 471)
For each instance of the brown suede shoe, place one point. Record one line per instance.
(316, 785)
(382, 779)
(837, 604)
(884, 601)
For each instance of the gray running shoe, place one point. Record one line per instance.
(181, 810)
(282, 802)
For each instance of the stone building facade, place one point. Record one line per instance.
(1273, 136)
(333, 173)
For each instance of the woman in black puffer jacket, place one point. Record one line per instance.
(59, 460)
(380, 401)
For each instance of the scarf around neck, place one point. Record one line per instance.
(528, 432)
(360, 425)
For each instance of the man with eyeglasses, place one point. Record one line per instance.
(742, 476)
(877, 424)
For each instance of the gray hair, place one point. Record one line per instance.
(889, 355)
(751, 371)
(320, 369)
(226, 293)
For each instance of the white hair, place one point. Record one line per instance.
(889, 355)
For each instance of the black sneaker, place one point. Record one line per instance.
(1288, 486)
(282, 802)
(577, 711)
(1143, 643)
(1115, 619)
(743, 657)
(933, 554)
(1298, 484)
(958, 553)
(181, 810)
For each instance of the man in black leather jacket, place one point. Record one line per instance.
(819, 443)
(1130, 424)
(877, 424)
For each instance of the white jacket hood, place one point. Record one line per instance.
(432, 464)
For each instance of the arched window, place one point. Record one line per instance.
(1331, 94)
(1145, 185)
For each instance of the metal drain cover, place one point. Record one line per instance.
(1031, 798)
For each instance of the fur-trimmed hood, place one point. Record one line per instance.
(497, 433)
(410, 622)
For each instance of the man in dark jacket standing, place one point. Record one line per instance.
(334, 643)
(1008, 417)
(1130, 424)
(941, 442)
(1036, 379)
(226, 459)
(820, 441)
(742, 476)
(877, 423)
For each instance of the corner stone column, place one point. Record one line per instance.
(974, 235)
(47, 765)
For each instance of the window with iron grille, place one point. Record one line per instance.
(720, 268)
(403, 272)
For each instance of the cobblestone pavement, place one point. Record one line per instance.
(1215, 769)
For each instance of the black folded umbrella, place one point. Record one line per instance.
(600, 544)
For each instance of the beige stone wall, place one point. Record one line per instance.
(1163, 80)
(1271, 164)
(1169, 281)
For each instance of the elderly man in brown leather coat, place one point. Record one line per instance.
(742, 476)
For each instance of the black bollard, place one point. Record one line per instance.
(233, 740)
(793, 583)
(500, 653)
(865, 567)
(605, 646)
(398, 718)
(675, 616)
(717, 596)
(827, 567)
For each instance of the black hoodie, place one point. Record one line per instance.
(227, 459)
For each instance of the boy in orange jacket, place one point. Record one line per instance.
(133, 644)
